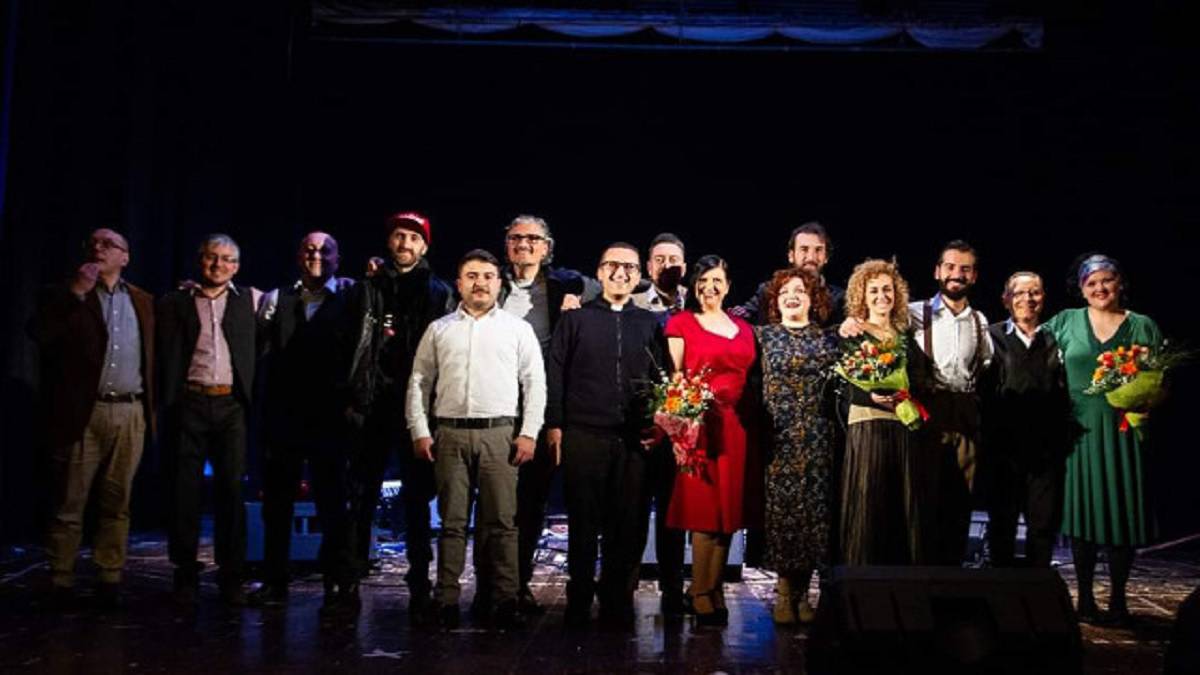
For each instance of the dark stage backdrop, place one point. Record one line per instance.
(168, 122)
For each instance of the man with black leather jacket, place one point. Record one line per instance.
(387, 313)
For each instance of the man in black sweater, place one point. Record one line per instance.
(1026, 427)
(603, 358)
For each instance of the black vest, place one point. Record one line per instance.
(301, 364)
(180, 329)
(1024, 393)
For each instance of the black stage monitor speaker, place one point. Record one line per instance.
(945, 620)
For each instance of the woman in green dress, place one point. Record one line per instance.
(1105, 493)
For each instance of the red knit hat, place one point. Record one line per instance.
(409, 220)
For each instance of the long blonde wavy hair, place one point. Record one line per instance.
(856, 291)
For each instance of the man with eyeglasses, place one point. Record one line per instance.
(474, 371)
(302, 418)
(602, 360)
(96, 338)
(538, 293)
(207, 345)
(386, 315)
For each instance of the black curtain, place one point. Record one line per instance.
(167, 120)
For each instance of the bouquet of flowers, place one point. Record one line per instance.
(678, 402)
(872, 365)
(1131, 379)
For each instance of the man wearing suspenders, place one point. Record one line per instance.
(953, 335)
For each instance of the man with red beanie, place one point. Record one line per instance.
(389, 312)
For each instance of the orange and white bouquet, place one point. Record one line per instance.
(880, 366)
(678, 402)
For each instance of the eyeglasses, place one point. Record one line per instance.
(213, 257)
(611, 267)
(530, 238)
(103, 243)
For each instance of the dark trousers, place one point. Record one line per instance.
(383, 433)
(1018, 487)
(950, 446)
(668, 541)
(213, 428)
(533, 489)
(283, 466)
(604, 475)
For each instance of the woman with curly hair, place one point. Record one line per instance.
(882, 486)
(797, 357)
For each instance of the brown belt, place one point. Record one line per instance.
(210, 389)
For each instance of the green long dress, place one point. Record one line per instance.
(1105, 493)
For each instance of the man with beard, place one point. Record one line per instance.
(599, 423)
(302, 417)
(387, 314)
(207, 344)
(480, 367)
(809, 248)
(534, 291)
(95, 334)
(1026, 415)
(953, 337)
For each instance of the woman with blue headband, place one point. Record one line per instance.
(1105, 500)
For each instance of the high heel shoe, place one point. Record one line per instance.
(716, 617)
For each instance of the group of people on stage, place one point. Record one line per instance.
(483, 388)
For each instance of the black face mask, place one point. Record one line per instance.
(956, 295)
(670, 278)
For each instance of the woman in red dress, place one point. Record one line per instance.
(711, 501)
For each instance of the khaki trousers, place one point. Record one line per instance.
(107, 456)
(465, 459)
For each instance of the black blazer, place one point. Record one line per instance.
(178, 325)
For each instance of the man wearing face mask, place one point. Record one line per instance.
(534, 291)
(603, 427)
(301, 414)
(1026, 411)
(666, 266)
(95, 334)
(809, 249)
(385, 318)
(474, 370)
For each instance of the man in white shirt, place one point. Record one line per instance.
(475, 363)
(953, 335)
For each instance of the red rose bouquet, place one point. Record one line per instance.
(678, 402)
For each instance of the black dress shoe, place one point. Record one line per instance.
(232, 595)
(438, 615)
(577, 616)
(527, 604)
(185, 595)
(108, 596)
(507, 617)
(268, 595)
(61, 598)
(672, 603)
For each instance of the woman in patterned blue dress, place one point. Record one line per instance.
(797, 359)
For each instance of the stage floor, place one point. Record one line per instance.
(148, 636)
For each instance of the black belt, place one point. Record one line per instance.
(119, 398)
(476, 422)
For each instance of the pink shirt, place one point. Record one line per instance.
(211, 363)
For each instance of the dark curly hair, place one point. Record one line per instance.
(818, 293)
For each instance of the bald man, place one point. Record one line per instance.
(96, 337)
(302, 419)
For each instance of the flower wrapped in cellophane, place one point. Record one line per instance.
(678, 402)
(1131, 380)
(879, 366)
